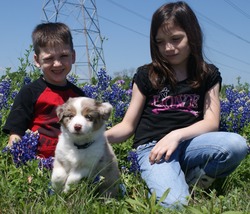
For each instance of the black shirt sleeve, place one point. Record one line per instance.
(22, 109)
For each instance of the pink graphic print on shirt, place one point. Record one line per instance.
(182, 102)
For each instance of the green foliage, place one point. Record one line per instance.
(24, 74)
(26, 189)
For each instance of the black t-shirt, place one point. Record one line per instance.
(167, 110)
(34, 109)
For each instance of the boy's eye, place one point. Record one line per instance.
(47, 59)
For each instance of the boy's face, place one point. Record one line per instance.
(55, 63)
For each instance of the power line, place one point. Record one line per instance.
(128, 10)
(237, 8)
(231, 57)
(206, 18)
(220, 27)
(236, 69)
(146, 36)
(125, 27)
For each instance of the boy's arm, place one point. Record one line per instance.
(21, 111)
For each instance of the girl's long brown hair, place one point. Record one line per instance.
(180, 14)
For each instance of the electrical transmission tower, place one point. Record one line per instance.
(81, 17)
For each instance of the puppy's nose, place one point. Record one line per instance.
(77, 127)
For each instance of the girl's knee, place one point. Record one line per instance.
(237, 146)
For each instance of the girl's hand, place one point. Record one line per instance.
(164, 148)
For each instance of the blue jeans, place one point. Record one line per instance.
(217, 153)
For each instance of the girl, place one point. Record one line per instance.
(174, 112)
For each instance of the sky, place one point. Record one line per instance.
(125, 25)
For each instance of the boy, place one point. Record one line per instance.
(35, 104)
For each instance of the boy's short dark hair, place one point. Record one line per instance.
(51, 34)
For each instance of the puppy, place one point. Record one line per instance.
(82, 150)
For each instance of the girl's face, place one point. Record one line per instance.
(172, 43)
(55, 63)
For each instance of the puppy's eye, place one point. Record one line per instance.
(69, 116)
(89, 117)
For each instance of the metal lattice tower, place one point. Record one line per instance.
(81, 17)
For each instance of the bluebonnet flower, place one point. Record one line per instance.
(133, 159)
(115, 94)
(235, 110)
(46, 163)
(26, 80)
(120, 109)
(129, 92)
(120, 82)
(103, 80)
(5, 86)
(91, 91)
(72, 78)
(13, 94)
(25, 149)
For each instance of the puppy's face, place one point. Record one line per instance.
(83, 115)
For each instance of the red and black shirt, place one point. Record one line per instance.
(34, 109)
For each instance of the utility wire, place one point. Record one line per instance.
(123, 26)
(146, 36)
(238, 9)
(220, 27)
(231, 57)
(227, 66)
(128, 10)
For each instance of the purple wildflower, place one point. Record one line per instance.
(5, 86)
(120, 82)
(103, 80)
(26, 80)
(25, 149)
(46, 163)
(235, 110)
(72, 78)
(13, 94)
(133, 159)
(91, 91)
(104, 91)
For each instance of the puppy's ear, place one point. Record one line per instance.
(59, 111)
(105, 110)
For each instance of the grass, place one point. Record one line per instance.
(26, 189)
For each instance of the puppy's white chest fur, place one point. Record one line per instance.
(77, 156)
(82, 150)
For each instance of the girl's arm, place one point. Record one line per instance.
(210, 123)
(123, 130)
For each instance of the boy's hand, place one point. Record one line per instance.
(12, 138)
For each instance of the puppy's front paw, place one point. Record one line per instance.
(58, 179)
